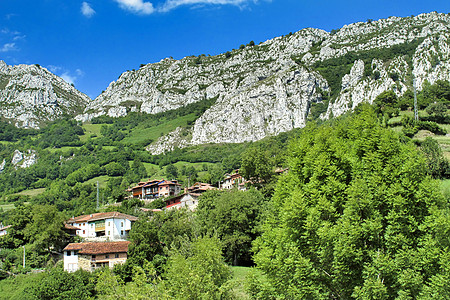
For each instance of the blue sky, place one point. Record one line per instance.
(90, 43)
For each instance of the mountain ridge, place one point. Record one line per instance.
(263, 90)
(30, 96)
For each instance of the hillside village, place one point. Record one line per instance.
(104, 235)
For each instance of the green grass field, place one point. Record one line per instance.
(445, 188)
(6, 207)
(239, 275)
(142, 133)
(91, 130)
(14, 287)
(31, 193)
(102, 181)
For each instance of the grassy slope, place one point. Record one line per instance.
(14, 287)
(142, 133)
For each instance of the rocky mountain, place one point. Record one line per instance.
(30, 95)
(272, 87)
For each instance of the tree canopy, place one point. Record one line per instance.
(356, 217)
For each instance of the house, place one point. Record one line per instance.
(90, 256)
(153, 189)
(234, 180)
(103, 226)
(4, 229)
(190, 198)
(70, 229)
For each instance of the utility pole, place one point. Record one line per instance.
(97, 195)
(416, 113)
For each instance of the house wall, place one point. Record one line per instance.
(113, 229)
(84, 262)
(189, 202)
(70, 262)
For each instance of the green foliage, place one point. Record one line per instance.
(438, 166)
(197, 271)
(438, 112)
(356, 217)
(61, 133)
(11, 133)
(258, 168)
(58, 284)
(411, 127)
(145, 246)
(386, 104)
(171, 172)
(232, 216)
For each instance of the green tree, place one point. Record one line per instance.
(356, 217)
(438, 165)
(438, 111)
(58, 284)
(258, 168)
(233, 216)
(171, 172)
(197, 271)
(386, 104)
(145, 246)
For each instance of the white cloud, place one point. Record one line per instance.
(87, 10)
(137, 6)
(68, 78)
(79, 72)
(172, 4)
(147, 8)
(54, 69)
(8, 47)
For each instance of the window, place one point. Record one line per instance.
(121, 224)
(109, 233)
(109, 224)
(68, 253)
(107, 256)
(121, 232)
(117, 255)
(84, 231)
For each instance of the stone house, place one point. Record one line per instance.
(90, 256)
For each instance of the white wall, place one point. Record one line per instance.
(70, 262)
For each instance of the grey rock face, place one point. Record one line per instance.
(2, 165)
(21, 160)
(269, 88)
(30, 95)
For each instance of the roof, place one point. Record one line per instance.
(173, 204)
(99, 247)
(5, 227)
(150, 209)
(200, 186)
(101, 216)
(70, 227)
(168, 182)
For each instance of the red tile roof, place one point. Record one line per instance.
(99, 247)
(70, 227)
(101, 216)
(5, 227)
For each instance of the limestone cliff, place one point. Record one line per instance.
(30, 95)
(269, 88)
